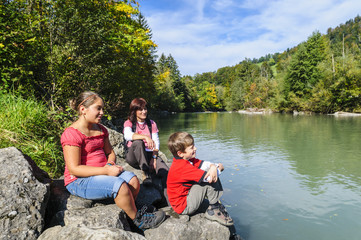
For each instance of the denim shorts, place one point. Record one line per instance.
(99, 187)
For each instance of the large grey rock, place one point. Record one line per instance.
(72, 232)
(23, 197)
(182, 227)
(107, 216)
(116, 139)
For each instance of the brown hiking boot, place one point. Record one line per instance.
(217, 212)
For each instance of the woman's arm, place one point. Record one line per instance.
(149, 140)
(130, 135)
(155, 138)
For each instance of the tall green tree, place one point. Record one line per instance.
(303, 73)
(100, 45)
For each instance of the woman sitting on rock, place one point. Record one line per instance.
(90, 169)
(142, 138)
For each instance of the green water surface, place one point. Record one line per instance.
(286, 177)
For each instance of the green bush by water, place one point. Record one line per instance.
(30, 126)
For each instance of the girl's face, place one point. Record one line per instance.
(94, 112)
(141, 114)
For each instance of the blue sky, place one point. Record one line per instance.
(204, 35)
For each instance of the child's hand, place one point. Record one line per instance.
(212, 174)
(114, 170)
(220, 167)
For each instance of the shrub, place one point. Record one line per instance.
(29, 126)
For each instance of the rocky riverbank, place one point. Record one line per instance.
(34, 206)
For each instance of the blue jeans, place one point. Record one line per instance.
(99, 187)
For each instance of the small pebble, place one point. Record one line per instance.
(12, 214)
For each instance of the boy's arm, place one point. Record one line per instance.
(191, 173)
(205, 166)
(212, 174)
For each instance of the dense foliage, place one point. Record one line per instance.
(55, 49)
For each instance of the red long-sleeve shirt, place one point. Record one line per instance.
(182, 175)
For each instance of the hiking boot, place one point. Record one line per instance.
(145, 220)
(217, 212)
(147, 208)
(147, 179)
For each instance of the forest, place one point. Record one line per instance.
(51, 50)
(321, 74)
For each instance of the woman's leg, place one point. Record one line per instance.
(162, 172)
(136, 156)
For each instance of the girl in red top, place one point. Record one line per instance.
(90, 169)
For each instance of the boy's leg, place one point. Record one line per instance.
(215, 193)
(216, 210)
(199, 192)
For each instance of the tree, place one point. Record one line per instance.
(103, 46)
(303, 73)
(170, 85)
(55, 49)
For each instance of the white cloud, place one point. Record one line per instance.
(205, 35)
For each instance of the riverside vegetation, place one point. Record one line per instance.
(52, 50)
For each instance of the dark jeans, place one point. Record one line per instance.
(139, 158)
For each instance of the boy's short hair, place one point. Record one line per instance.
(179, 141)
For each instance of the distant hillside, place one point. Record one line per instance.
(321, 74)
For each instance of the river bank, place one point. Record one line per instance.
(269, 111)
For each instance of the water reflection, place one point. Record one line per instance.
(287, 177)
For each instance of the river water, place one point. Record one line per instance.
(286, 177)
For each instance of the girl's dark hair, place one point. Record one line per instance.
(86, 99)
(136, 104)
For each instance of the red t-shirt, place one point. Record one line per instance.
(92, 151)
(182, 175)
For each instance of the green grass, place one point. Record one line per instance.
(30, 126)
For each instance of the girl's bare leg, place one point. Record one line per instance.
(134, 187)
(125, 200)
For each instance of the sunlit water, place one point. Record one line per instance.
(286, 177)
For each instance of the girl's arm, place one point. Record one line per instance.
(73, 162)
(109, 152)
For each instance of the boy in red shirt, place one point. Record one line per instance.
(191, 181)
